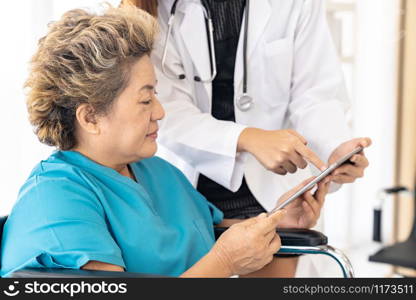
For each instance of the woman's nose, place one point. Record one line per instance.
(158, 112)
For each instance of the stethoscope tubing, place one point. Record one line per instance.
(244, 101)
(213, 60)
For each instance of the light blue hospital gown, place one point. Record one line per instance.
(72, 210)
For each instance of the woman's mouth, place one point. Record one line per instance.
(152, 135)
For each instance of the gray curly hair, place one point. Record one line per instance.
(84, 58)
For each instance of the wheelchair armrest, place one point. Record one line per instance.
(302, 237)
(292, 237)
(74, 273)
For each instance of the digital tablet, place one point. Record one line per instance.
(321, 176)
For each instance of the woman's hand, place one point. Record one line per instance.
(304, 211)
(249, 245)
(349, 172)
(279, 151)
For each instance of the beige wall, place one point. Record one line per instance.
(406, 151)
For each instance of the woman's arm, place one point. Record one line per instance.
(211, 266)
(244, 248)
(94, 265)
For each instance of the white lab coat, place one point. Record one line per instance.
(294, 77)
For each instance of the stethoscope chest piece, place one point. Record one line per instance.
(244, 102)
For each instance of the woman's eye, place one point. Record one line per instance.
(147, 102)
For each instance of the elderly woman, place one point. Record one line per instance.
(101, 201)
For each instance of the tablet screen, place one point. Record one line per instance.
(319, 178)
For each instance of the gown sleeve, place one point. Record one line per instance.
(57, 223)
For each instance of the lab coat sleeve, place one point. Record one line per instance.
(207, 144)
(319, 100)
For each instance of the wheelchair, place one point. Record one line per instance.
(401, 254)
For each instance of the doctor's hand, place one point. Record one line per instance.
(304, 211)
(279, 151)
(249, 245)
(349, 172)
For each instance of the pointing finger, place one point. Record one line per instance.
(309, 155)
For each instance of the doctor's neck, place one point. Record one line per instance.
(148, 5)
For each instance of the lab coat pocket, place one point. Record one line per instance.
(203, 231)
(278, 71)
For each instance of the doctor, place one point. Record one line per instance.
(232, 93)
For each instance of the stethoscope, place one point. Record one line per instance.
(244, 101)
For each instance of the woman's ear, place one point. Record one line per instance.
(86, 118)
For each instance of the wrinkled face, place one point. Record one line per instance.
(128, 131)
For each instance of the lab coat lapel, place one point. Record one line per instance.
(194, 36)
(259, 15)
